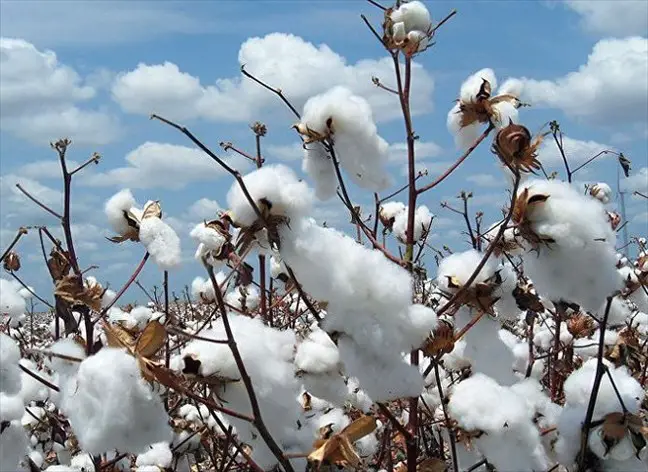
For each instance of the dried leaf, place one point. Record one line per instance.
(360, 428)
(432, 465)
(118, 337)
(614, 426)
(70, 289)
(338, 449)
(151, 340)
(152, 209)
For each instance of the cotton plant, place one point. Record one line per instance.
(478, 105)
(339, 120)
(408, 27)
(394, 217)
(144, 225)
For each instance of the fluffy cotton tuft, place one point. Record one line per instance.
(580, 265)
(115, 207)
(361, 152)
(279, 186)
(12, 301)
(161, 241)
(110, 406)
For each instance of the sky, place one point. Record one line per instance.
(94, 71)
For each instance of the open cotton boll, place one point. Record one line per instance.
(511, 441)
(244, 298)
(602, 192)
(211, 239)
(319, 167)
(578, 264)
(13, 446)
(12, 303)
(383, 378)
(83, 462)
(68, 348)
(276, 184)
(115, 207)
(361, 152)
(110, 406)
(464, 136)
(470, 87)
(413, 15)
(161, 241)
(422, 223)
(620, 311)
(317, 354)
(389, 211)
(9, 372)
(158, 454)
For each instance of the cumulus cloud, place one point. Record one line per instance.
(39, 97)
(164, 165)
(610, 88)
(204, 209)
(612, 17)
(486, 180)
(301, 69)
(576, 151)
(637, 182)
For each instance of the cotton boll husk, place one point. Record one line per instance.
(13, 446)
(581, 265)
(479, 403)
(361, 152)
(278, 184)
(116, 206)
(382, 378)
(130, 418)
(413, 15)
(9, 371)
(319, 167)
(161, 241)
(12, 303)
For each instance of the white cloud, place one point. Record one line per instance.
(640, 218)
(486, 180)
(165, 165)
(285, 152)
(204, 209)
(422, 150)
(49, 169)
(71, 22)
(576, 151)
(612, 17)
(39, 96)
(609, 89)
(637, 182)
(299, 68)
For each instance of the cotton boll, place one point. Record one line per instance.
(422, 223)
(361, 152)
(319, 167)
(211, 239)
(68, 348)
(511, 441)
(470, 87)
(464, 136)
(158, 454)
(13, 445)
(12, 303)
(382, 378)
(317, 354)
(602, 192)
(130, 418)
(389, 211)
(619, 313)
(116, 206)
(413, 15)
(580, 264)
(9, 372)
(279, 186)
(83, 462)
(161, 241)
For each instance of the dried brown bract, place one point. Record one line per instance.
(481, 109)
(581, 326)
(72, 290)
(441, 341)
(11, 262)
(617, 426)
(525, 203)
(338, 448)
(151, 209)
(516, 148)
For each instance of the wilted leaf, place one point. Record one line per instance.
(72, 290)
(614, 426)
(118, 337)
(338, 449)
(151, 340)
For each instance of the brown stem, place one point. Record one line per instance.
(462, 158)
(21, 232)
(37, 202)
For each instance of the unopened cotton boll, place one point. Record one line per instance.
(110, 406)
(348, 119)
(161, 241)
(276, 185)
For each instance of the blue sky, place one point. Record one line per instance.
(94, 71)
